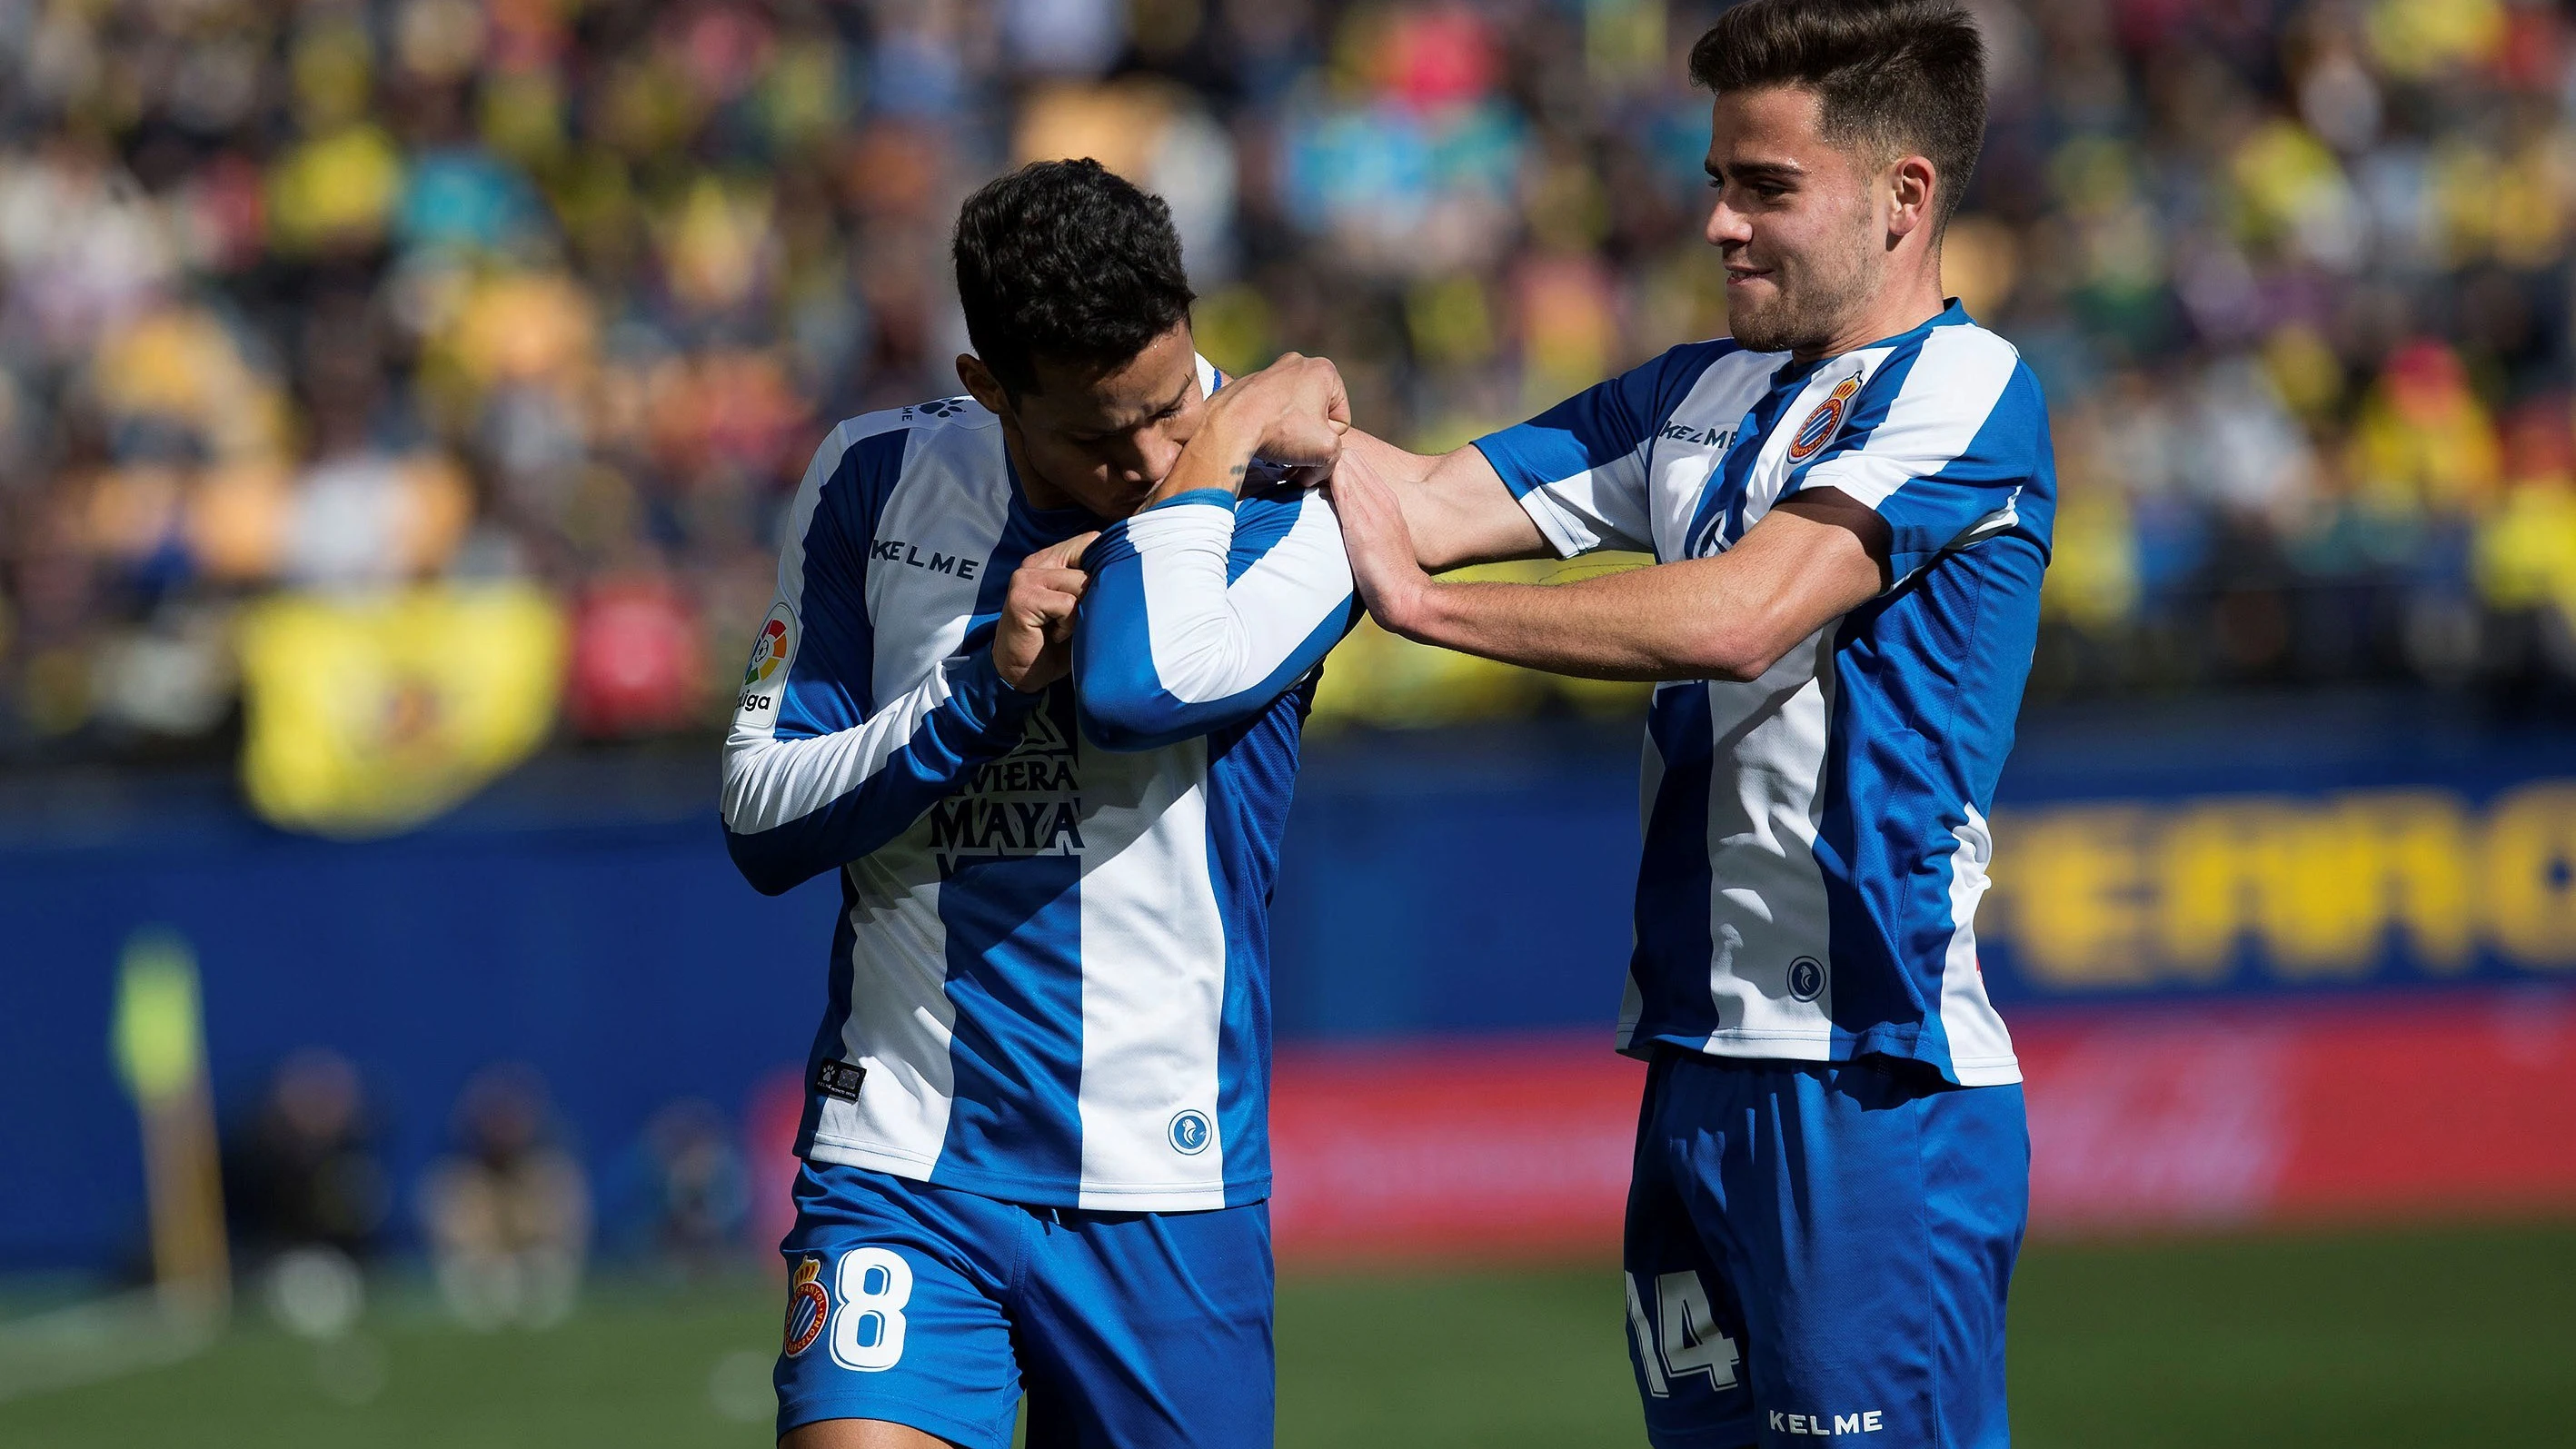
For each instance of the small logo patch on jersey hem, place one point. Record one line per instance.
(1806, 978)
(1820, 426)
(840, 1079)
(1190, 1133)
(809, 1307)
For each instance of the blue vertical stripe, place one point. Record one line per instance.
(1722, 499)
(1014, 927)
(1869, 410)
(831, 683)
(1673, 877)
(836, 1014)
(1942, 659)
(1252, 774)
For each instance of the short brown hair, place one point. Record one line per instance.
(1903, 76)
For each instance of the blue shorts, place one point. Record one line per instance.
(935, 1308)
(1819, 1252)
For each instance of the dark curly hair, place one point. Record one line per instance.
(1900, 76)
(1067, 261)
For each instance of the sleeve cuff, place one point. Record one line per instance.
(1207, 525)
(980, 695)
(1563, 532)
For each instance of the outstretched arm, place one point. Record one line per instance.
(1728, 617)
(1936, 456)
(1455, 505)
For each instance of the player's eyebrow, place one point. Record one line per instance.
(1776, 172)
(1163, 409)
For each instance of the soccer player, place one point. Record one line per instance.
(1849, 503)
(1033, 1147)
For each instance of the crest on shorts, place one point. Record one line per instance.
(809, 1307)
(1820, 426)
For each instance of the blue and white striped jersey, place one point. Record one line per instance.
(1816, 839)
(1050, 976)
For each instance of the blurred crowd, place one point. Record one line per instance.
(507, 1210)
(350, 295)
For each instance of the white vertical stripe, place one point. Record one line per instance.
(1708, 417)
(1772, 467)
(1767, 901)
(1957, 379)
(1153, 981)
(900, 1025)
(1981, 1050)
(952, 500)
(902, 1022)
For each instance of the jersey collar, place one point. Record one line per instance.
(1952, 314)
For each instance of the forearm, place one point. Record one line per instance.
(1455, 505)
(796, 807)
(1594, 629)
(1728, 617)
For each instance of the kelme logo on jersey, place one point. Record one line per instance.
(1821, 424)
(1191, 1132)
(809, 1308)
(1806, 978)
(763, 675)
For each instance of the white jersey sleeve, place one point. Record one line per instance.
(1203, 609)
(818, 770)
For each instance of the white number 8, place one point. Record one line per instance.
(867, 1333)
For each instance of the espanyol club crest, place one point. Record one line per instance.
(1806, 978)
(809, 1307)
(1820, 426)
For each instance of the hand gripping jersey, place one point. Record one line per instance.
(1816, 838)
(1050, 977)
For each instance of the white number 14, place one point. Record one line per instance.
(1690, 1342)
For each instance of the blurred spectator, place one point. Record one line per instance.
(308, 1193)
(690, 1192)
(352, 296)
(509, 1214)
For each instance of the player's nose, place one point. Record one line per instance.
(1155, 455)
(1726, 226)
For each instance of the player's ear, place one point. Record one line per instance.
(981, 385)
(1911, 182)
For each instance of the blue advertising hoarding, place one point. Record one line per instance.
(584, 920)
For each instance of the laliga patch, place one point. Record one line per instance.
(1823, 423)
(764, 676)
(809, 1307)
